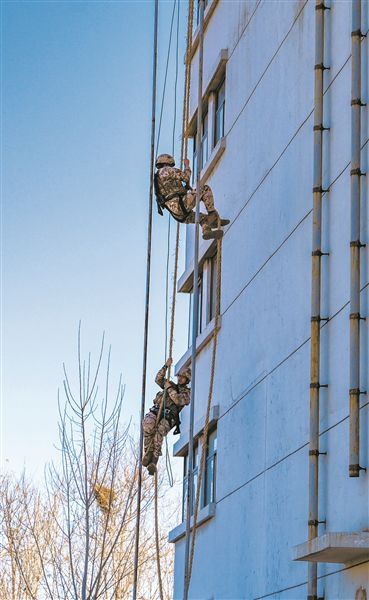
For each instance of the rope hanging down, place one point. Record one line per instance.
(195, 311)
(147, 301)
(184, 151)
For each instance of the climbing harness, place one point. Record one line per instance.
(161, 201)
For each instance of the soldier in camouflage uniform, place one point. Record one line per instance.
(176, 397)
(173, 192)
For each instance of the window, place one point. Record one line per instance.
(219, 112)
(209, 476)
(198, 10)
(195, 472)
(204, 148)
(200, 312)
(212, 288)
(210, 469)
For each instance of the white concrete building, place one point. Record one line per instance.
(258, 158)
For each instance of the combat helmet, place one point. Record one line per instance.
(164, 160)
(187, 373)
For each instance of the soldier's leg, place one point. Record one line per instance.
(149, 424)
(207, 232)
(160, 433)
(207, 197)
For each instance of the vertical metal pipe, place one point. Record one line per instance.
(316, 292)
(195, 307)
(147, 300)
(355, 244)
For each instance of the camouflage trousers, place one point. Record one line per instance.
(154, 436)
(189, 201)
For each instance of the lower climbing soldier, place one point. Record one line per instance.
(177, 395)
(173, 192)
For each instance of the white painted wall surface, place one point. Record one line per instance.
(263, 182)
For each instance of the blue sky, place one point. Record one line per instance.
(76, 114)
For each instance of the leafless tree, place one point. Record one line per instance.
(74, 539)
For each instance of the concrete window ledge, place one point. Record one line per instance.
(180, 448)
(206, 513)
(201, 341)
(334, 548)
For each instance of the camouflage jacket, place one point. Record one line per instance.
(171, 181)
(177, 395)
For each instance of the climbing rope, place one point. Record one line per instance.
(147, 300)
(184, 150)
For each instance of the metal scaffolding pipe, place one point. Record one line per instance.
(195, 307)
(315, 384)
(355, 244)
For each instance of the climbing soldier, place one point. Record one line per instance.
(176, 397)
(173, 192)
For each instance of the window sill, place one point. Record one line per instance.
(196, 34)
(201, 341)
(206, 513)
(180, 448)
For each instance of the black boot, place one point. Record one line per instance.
(152, 466)
(214, 218)
(147, 458)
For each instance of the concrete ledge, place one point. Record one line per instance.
(206, 513)
(201, 341)
(180, 448)
(334, 548)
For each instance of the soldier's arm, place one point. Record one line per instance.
(181, 398)
(160, 377)
(184, 175)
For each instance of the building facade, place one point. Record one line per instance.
(257, 155)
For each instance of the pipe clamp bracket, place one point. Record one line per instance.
(357, 244)
(357, 33)
(315, 522)
(319, 189)
(322, 6)
(321, 67)
(357, 102)
(357, 172)
(354, 392)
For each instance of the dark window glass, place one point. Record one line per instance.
(210, 470)
(204, 148)
(212, 288)
(200, 312)
(197, 20)
(209, 479)
(195, 471)
(219, 113)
